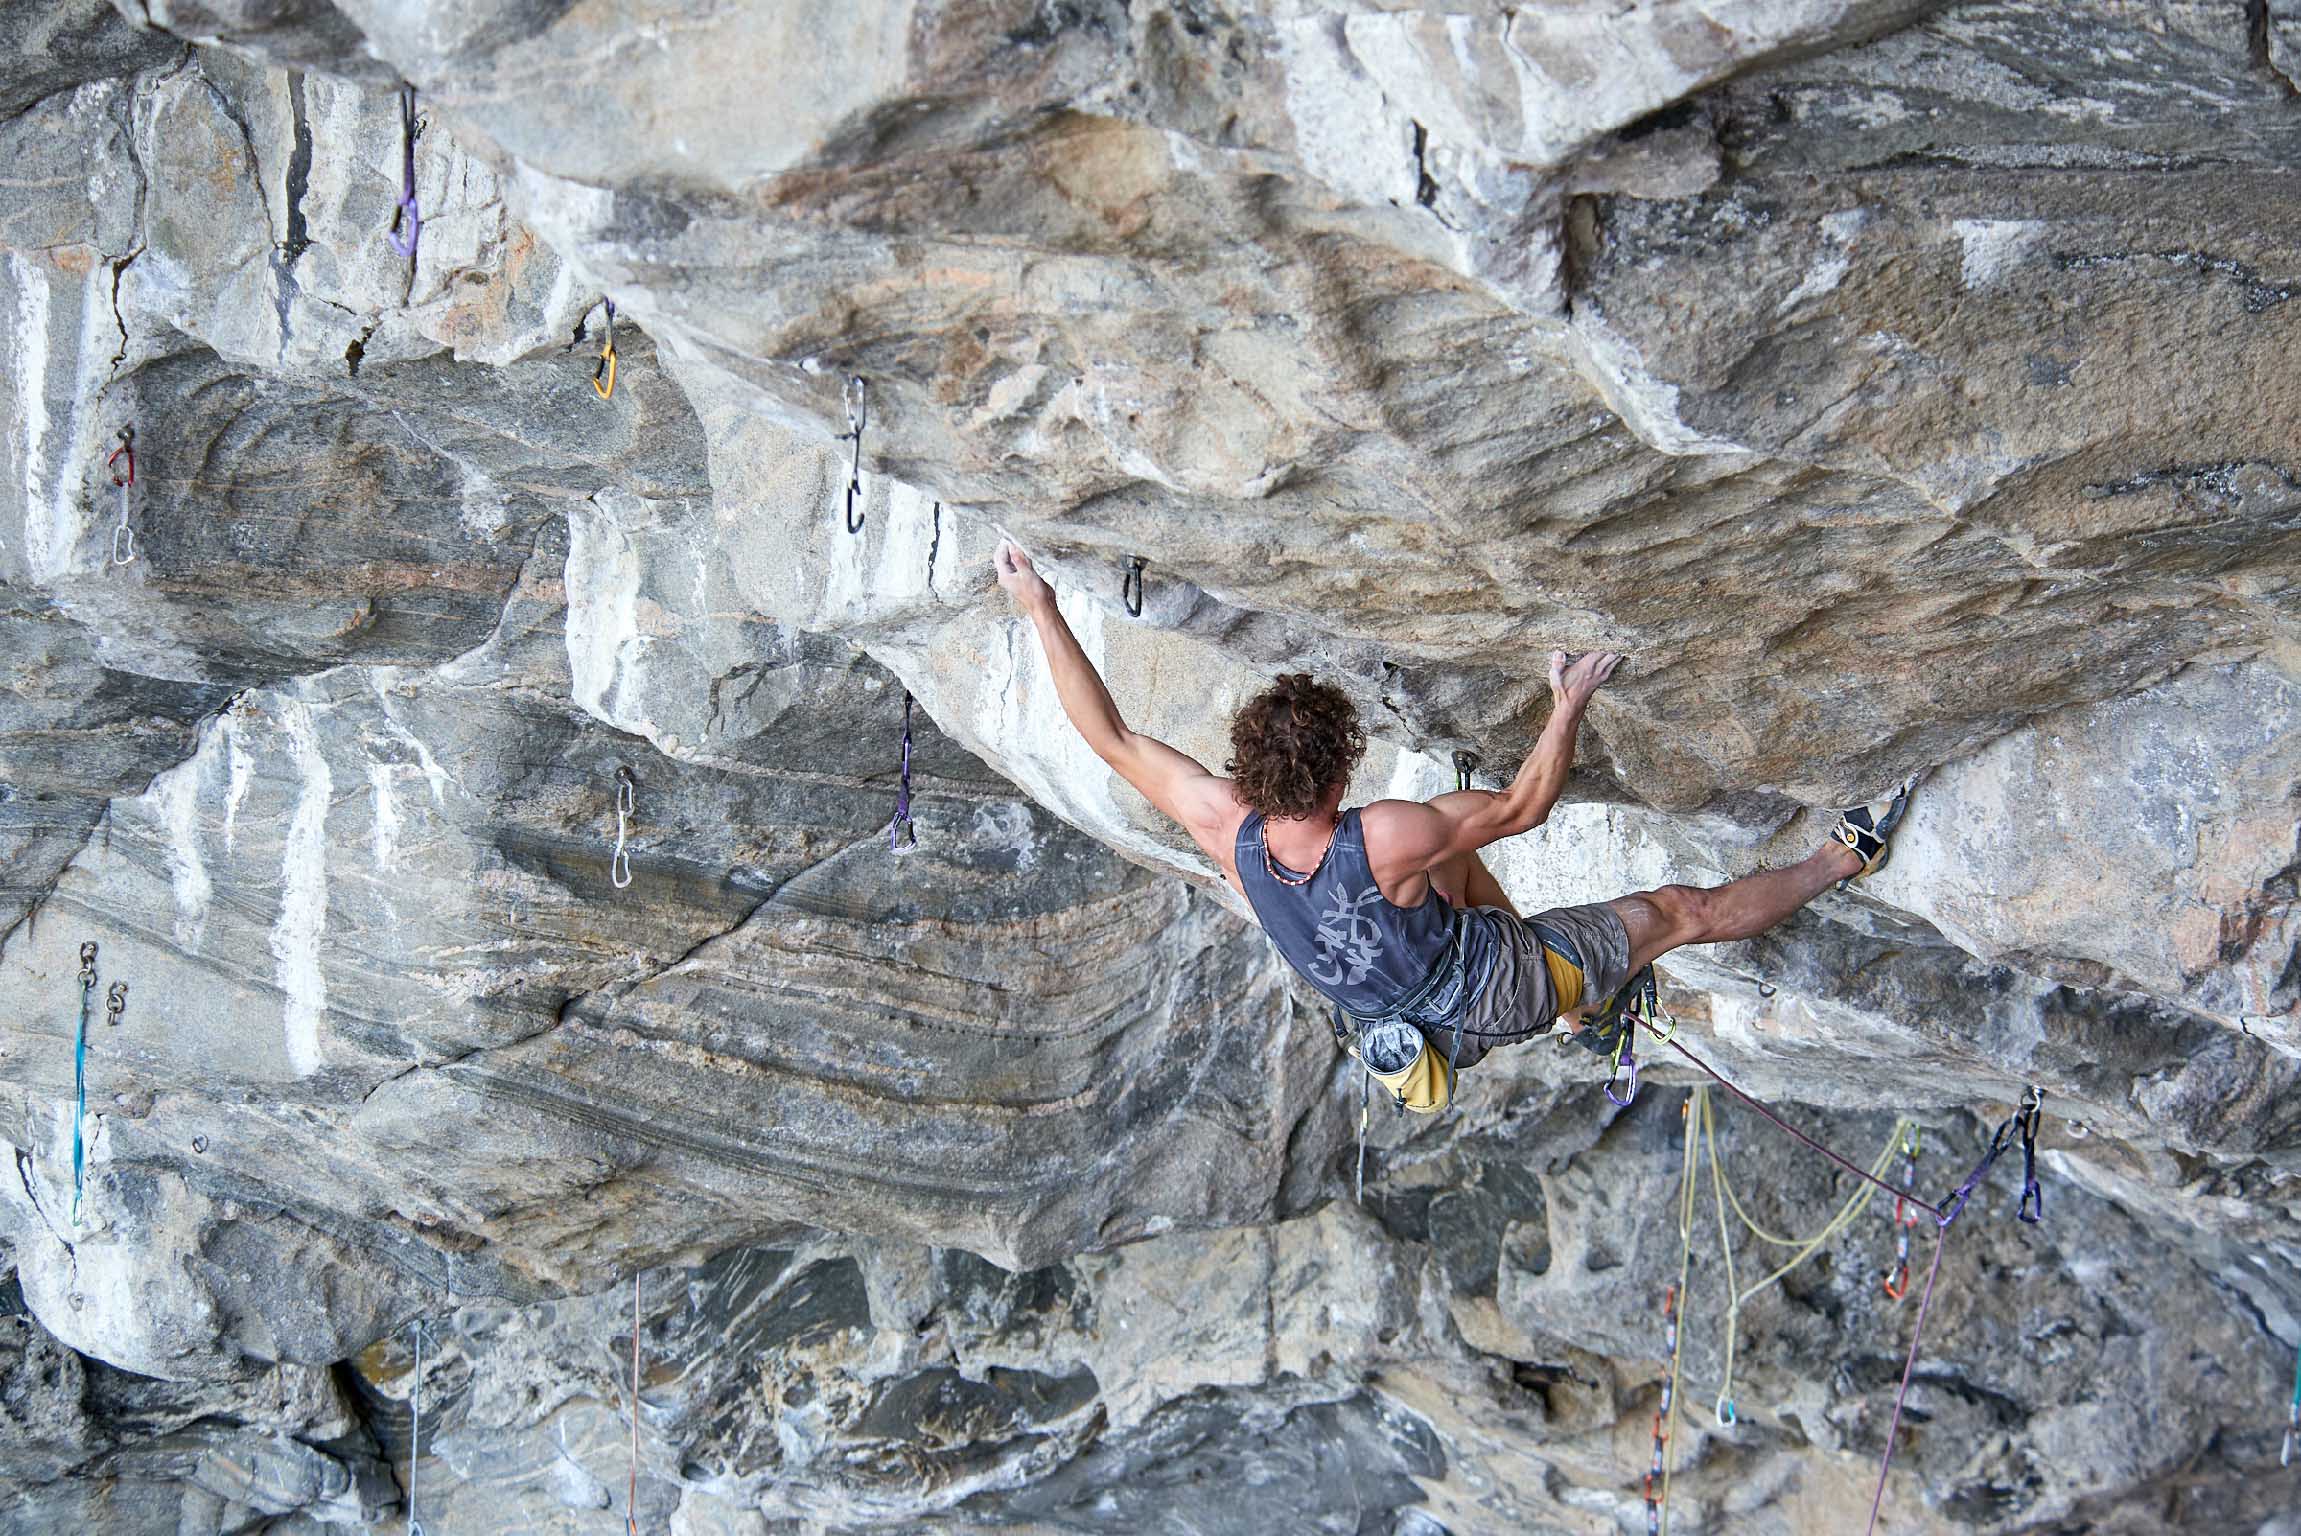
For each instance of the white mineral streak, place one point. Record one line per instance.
(296, 932)
(175, 799)
(47, 542)
(241, 769)
(384, 837)
(1647, 405)
(604, 646)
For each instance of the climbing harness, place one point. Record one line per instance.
(1131, 586)
(626, 805)
(80, 1075)
(858, 417)
(631, 1489)
(1897, 1281)
(1465, 764)
(406, 220)
(123, 537)
(606, 368)
(902, 837)
(415, 1429)
(1656, 1472)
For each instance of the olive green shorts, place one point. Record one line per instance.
(1537, 968)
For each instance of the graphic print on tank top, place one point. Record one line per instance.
(1349, 939)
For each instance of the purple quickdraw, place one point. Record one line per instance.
(1628, 1061)
(902, 837)
(406, 220)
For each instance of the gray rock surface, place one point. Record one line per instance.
(1903, 384)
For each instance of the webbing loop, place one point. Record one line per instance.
(626, 805)
(1465, 764)
(123, 536)
(606, 366)
(902, 837)
(407, 220)
(80, 1075)
(853, 397)
(1131, 586)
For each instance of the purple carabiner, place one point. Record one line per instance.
(407, 220)
(1628, 1058)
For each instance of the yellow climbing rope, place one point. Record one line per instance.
(1686, 1172)
(1701, 1138)
(1723, 1190)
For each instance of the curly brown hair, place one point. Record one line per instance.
(1293, 742)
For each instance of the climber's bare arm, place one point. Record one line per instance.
(1178, 784)
(1405, 838)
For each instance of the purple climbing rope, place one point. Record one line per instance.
(406, 220)
(900, 833)
(1909, 1367)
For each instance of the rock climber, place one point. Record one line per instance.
(1387, 908)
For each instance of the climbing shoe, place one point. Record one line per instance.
(1867, 830)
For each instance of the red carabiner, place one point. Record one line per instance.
(128, 448)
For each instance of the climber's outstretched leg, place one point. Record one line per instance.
(1676, 915)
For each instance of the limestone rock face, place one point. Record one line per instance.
(1904, 385)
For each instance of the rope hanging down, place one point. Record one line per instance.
(1661, 1526)
(80, 1075)
(415, 1429)
(626, 804)
(902, 837)
(631, 1488)
(123, 537)
(2024, 1121)
(1723, 1192)
(406, 220)
(1131, 586)
(858, 417)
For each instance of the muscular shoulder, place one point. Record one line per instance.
(1399, 834)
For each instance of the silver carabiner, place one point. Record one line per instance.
(626, 805)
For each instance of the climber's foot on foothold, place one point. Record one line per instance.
(1868, 830)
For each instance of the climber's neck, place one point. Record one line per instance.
(1300, 842)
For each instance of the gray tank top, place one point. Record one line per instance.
(1348, 939)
